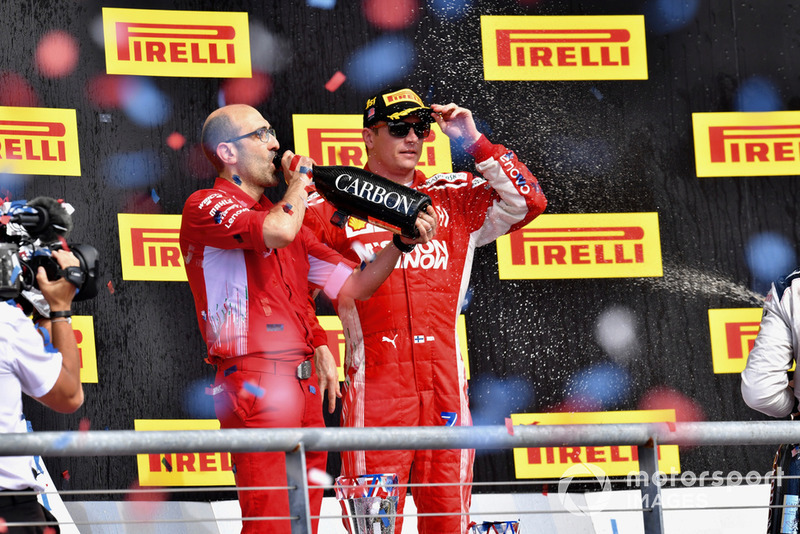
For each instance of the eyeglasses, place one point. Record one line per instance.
(263, 134)
(400, 128)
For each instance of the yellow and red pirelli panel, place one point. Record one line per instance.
(149, 247)
(733, 332)
(336, 140)
(338, 345)
(183, 468)
(39, 141)
(590, 245)
(746, 143)
(614, 460)
(564, 48)
(83, 328)
(155, 42)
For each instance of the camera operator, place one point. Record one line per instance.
(44, 365)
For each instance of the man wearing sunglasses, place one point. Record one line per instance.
(404, 367)
(250, 263)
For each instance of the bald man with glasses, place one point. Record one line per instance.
(250, 264)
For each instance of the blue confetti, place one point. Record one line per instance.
(312, 389)
(144, 103)
(218, 217)
(384, 61)
(665, 16)
(449, 9)
(758, 94)
(154, 196)
(237, 180)
(133, 169)
(274, 328)
(450, 418)
(384, 520)
(63, 440)
(322, 4)
(254, 389)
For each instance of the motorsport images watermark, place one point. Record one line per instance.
(595, 475)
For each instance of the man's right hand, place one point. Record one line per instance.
(58, 293)
(292, 169)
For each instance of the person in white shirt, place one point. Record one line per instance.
(45, 365)
(766, 386)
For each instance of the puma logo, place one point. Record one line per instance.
(392, 340)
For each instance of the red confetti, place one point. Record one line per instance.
(56, 54)
(176, 141)
(671, 426)
(664, 398)
(509, 426)
(84, 425)
(65, 474)
(391, 14)
(16, 91)
(335, 82)
(288, 208)
(49, 530)
(110, 287)
(104, 91)
(545, 489)
(251, 91)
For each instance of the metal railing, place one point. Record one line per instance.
(294, 442)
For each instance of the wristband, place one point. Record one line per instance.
(65, 313)
(402, 247)
(67, 320)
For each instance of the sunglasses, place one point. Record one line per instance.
(263, 134)
(400, 129)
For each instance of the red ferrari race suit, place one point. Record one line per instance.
(403, 365)
(252, 309)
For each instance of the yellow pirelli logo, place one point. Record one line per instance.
(733, 332)
(746, 144)
(564, 48)
(338, 344)
(149, 246)
(83, 328)
(613, 460)
(183, 468)
(150, 42)
(598, 245)
(336, 140)
(39, 141)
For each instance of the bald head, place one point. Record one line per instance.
(222, 124)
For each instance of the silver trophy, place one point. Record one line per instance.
(369, 503)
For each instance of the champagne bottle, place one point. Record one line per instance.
(371, 198)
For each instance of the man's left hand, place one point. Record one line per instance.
(327, 375)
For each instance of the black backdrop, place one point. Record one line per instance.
(596, 147)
